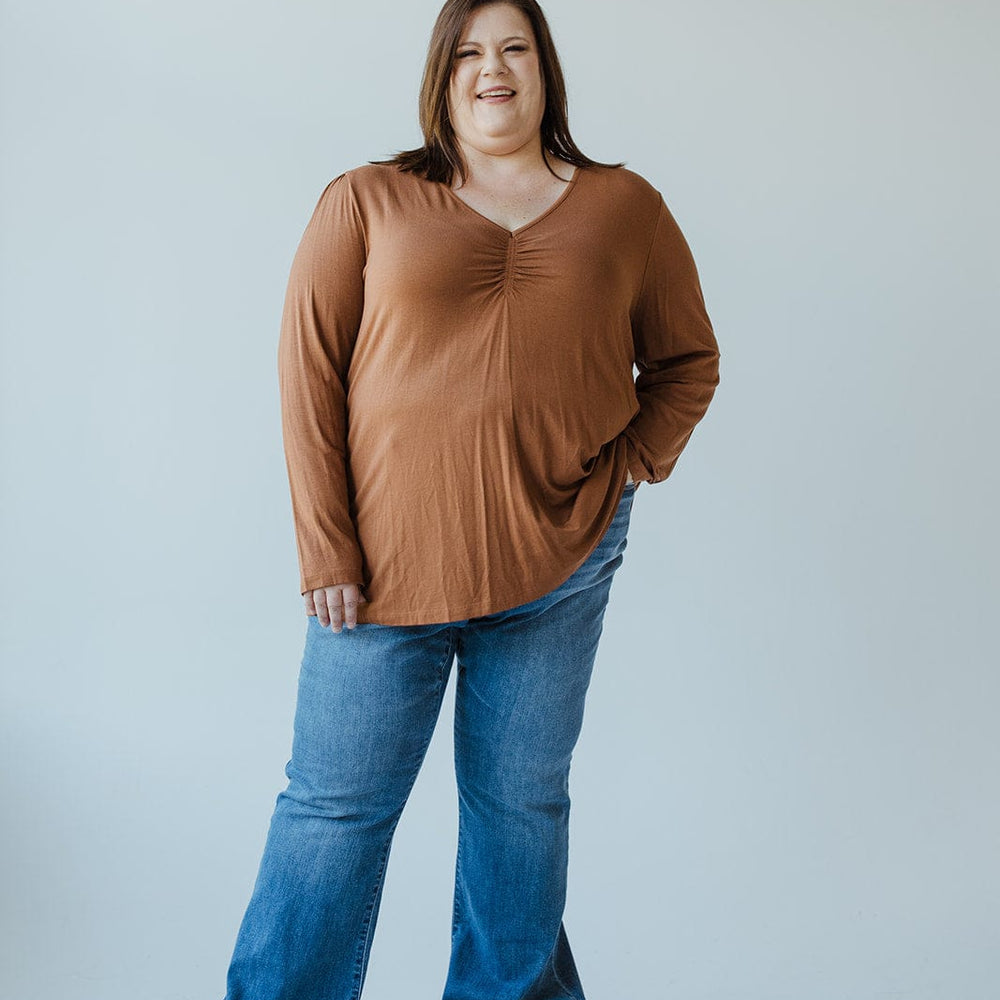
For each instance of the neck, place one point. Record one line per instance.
(505, 168)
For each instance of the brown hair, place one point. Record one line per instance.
(439, 158)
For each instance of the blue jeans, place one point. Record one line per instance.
(368, 702)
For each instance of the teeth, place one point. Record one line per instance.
(496, 93)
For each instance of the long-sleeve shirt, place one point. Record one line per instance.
(459, 410)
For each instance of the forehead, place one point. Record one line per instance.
(494, 22)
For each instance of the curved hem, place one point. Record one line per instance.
(486, 609)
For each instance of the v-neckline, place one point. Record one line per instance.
(563, 195)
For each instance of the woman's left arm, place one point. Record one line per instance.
(676, 353)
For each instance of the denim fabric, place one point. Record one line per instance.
(368, 702)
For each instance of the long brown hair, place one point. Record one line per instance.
(439, 158)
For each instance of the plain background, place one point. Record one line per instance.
(786, 786)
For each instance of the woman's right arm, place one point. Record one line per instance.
(320, 319)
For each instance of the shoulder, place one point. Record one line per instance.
(376, 180)
(621, 183)
(366, 192)
(630, 204)
(375, 191)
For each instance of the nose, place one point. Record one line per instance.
(493, 64)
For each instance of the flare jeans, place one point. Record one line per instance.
(368, 702)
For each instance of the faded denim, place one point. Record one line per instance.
(368, 702)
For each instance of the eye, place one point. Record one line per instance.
(516, 48)
(462, 55)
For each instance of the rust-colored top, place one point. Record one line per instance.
(459, 410)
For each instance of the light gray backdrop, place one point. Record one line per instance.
(786, 788)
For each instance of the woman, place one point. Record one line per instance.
(464, 440)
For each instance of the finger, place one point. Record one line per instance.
(335, 607)
(309, 602)
(351, 606)
(322, 611)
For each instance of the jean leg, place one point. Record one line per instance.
(368, 702)
(522, 679)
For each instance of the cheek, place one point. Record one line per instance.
(540, 82)
(457, 91)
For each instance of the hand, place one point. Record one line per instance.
(336, 606)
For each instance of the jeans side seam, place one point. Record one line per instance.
(368, 923)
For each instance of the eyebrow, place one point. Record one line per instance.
(503, 41)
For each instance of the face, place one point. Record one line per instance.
(496, 50)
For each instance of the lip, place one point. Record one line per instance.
(496, 98)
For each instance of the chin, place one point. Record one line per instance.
(513, 138)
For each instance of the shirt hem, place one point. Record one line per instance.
(485, 609)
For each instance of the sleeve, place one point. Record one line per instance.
(319, 324)
(676, 354)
